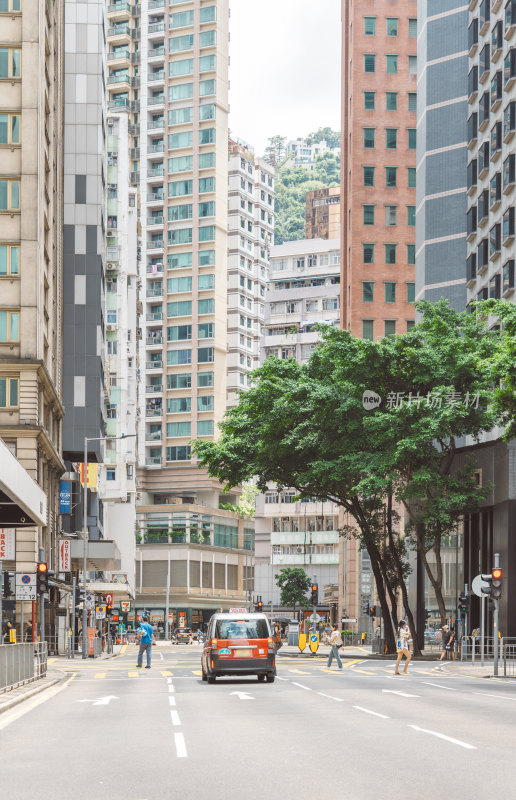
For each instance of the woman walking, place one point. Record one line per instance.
(335, 642)
(402, 646)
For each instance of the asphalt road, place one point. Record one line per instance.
(112, 732)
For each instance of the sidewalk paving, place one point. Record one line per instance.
(466, 668)
(12, 697)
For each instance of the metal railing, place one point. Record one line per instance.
(22, 663)
(508, 652)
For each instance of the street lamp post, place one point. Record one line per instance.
(85, 531)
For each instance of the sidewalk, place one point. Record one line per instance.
(12, 697)
(466, 668)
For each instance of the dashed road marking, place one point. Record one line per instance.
(172, 701)
(179, 741)
(166, 673)
(443, 736)
(133, 674)
(174, 716)
(301, 686)
(368, 711)
(438, 685)
(100, 674)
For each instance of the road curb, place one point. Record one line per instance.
(27, 695)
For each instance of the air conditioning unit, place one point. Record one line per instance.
(110, 266)
(111, 327)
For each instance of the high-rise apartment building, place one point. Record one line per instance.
(378, 167)
(250, 235)
(442, 152)
(31, 296)
(323, 213)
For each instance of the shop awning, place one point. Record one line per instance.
(22, 502)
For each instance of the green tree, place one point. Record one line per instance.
(247, 502)
(305, 426)
(331, 137)
(504, 379)
(276, 150)
(294, 584)
(327, 169)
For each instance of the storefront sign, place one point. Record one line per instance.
(65, 555)
(7, 544)
(65, 497)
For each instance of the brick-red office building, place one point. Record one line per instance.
(378, 195)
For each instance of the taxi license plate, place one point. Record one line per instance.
(242, 653)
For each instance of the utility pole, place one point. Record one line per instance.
(495, 619)
(85, 550)
(72, 648)
(167, 600)
(41, 604)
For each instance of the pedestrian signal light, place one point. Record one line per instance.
(372, 611)
(315, 594)
(42, 577)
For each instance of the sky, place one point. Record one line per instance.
(285, 68)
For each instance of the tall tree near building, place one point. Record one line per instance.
(328, 135)
(294, 584)
(311, 427)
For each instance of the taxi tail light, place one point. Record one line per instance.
(212, 664)
(213, 643)
(269, 640)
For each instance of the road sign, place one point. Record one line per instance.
(477, 584)
(26, 586)
(89, 602)
(109, 599)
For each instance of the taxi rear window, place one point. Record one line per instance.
(241, 629)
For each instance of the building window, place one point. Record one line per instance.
(411, 254)
(182, 19)
(205, 427)
(207, 136)
(390, 292)
(205, 403)
(412, 28)
(179, 380)
(206, 185)
(182, 308)
(367, 291)
(177, 69)
(178, 429)
(392, 26)
(9, 6)
(179, 405)
(177, 357)
(207, 63)
(369, 26)
(110, 473)
(206, 282)
(9, 326)
(412, 65)
(412, 101)
(179, 333)
(367, 329)
(206, 258)
(206, 88)
(390, 253)
(207, 233)
(369, 62)
(330, 304)
(178, 140)
(391, 135)
(9, 127)
(390, 177)
(179, 453)
(10, 62)
(368, 211)
(177, 213)
(9, 194)
(411, 138)
(369, 101)
(9, 392)
(391, 101)
(204, 379)
(180, 91)
(411, 177)
(205, 355)
(206, 112)
(389, 327)
(206, 306)
(208, 14)
(390, 215)
(411, 292)
(206, 330)
(9, 259)
(180, 188)
(180, 164)
(207, 209)
(368, 176)
(369, 138)
(392, 65)
(180, 116)
(411, 215)
(368, 252)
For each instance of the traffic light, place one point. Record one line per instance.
(315, 594)
(42, 577)
(258, 606)
(7, 585)
(79, 595)
(464, 603)
(496, 575)
(372, 611)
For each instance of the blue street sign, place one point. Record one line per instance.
(65, 497)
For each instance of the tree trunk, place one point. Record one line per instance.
(436, 582)
(374, 555)
(401, 578)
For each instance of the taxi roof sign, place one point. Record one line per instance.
(238, 610)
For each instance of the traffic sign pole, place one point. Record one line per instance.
(495, 619)
(72, 648)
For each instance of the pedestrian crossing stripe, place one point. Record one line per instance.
(197, 671)
(299, 672)
(133, 674)
(363, 672)
(100, 674)
(166, 673)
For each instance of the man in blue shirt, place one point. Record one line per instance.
(146, 634)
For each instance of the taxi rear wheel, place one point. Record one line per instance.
(210, 678)
(261, 678)
(270, 677)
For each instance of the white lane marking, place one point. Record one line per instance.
(243, 695)
(172, 701)
(368, 711)
(171, 687)
(401, 694)
(446, 738)
(338, 699)
(281, 679)
(169, 680)
(42, 697)
(179, 741)
(489, 694)
(175, 718)
(301, 686)
(450, 688)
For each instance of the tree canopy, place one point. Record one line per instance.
(294, 584)
(310, 427)
(328, 135)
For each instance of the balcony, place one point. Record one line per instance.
(154, 77)
(153, 461)
(154, 436)
(121, 79)
(154, 341)
(155, 197)
(155, 244)
(155, 221)
(155, 291)
(124, 9)
(156, 4)
(156, 52)
(154, 388)
(156, 147)
(155, 316)
(120, 33)
(154, 269)
(156, 125)
(157, 172)
(122, 55)
(156, 28)
(119, 105)
(154, 365)
(156, 100)
(154, 411)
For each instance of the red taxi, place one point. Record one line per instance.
(238, 644)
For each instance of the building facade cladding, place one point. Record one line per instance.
(303, 288)
(442, 155)
(123, 35)
(31, 215)
(84, 228)
(322, 216)
(378, 195)
(250, 233)
(184, 180)
(117, 476)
